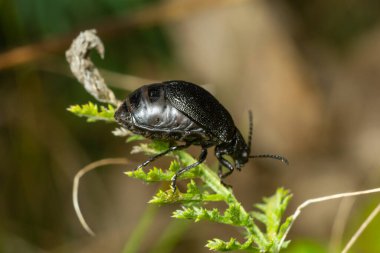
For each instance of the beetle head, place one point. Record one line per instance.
(240, 151)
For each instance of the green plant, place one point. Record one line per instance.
(209, 189)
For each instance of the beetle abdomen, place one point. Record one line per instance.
(151, 111)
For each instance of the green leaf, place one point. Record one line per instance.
(153, 148)
(271, 212)
(284, 226)
(157, 175)
(232, 216)
(260, 217)
(198, 213)
(232, 244)
(192, 195)
(135, 137)
(94, 112)
(159, 146)
(174, 166)
(192, 188)
(236, 217)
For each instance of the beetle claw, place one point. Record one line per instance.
(173, 185)
(226, 185)
(173, 189)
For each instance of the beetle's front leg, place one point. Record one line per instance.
(221, 176)
(171, 149)
(225, 163)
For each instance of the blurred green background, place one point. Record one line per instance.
(309, 70)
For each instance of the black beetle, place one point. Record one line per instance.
(182, 111)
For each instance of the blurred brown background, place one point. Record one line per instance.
(309, 70)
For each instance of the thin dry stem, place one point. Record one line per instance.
(322, 199)
(80, 173)
(361, 228)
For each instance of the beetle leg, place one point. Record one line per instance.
(220, 170)
(171, 149)
(225, 163)
(221, 176)
(201, 159)
(230, 168)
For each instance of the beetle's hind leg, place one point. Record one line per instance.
(171, 149)
(201, 159)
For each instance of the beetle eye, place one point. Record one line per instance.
(135, 98)
(154, 93)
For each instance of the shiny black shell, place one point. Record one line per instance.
(176, 110)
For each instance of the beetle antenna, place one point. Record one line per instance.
(250, 129)
(277, 157)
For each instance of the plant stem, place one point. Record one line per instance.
(211, 179)
(170, 236)
(132, 246)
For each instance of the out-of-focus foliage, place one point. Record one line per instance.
(44, 17)
(338, 24)
(303, 246)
